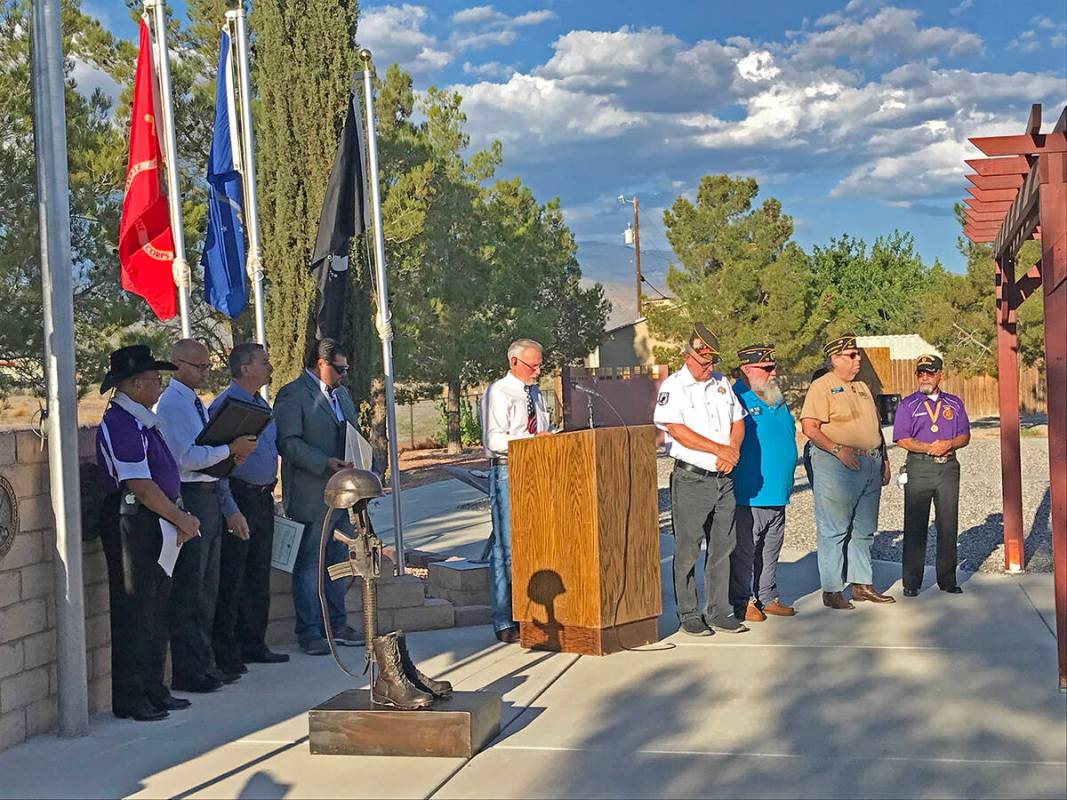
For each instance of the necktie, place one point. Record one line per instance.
(531, 411)
(200, 410)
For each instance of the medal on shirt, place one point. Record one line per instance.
(934, 414)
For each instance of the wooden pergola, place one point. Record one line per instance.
(1019, 192)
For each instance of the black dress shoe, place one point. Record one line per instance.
(911, 592)
(266, 657)
(225, 675)
(201, 684)
(142, 712)
(237, 669)
(171, 703)
(952, 589)
(508, 635)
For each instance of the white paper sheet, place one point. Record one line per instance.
(358, 451)
(286, 544)
(168, 553)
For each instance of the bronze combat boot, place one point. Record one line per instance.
(392, 687)
(427, 684)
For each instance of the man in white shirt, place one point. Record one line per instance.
(512, 408)
(195, 583)
(704, 423)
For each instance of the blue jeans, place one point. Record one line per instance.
(500, 553)
(306, 579)
(846, 517)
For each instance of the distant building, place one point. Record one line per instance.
(902, 346)
(629, 345)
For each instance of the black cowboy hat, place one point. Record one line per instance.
(129, 361)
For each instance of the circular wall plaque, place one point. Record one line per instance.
(9, 516)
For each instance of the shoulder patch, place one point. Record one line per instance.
(663, 397)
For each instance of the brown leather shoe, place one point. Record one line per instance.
(778, 609)
(508, 635)
(835, 600)
(753, 613)
(864, 591)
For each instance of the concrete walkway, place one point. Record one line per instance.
(933, 697)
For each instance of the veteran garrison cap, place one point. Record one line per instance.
(929, 363)
(702, 342)
(756, 354)
(844, 342)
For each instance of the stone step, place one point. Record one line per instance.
(460, 575)
(472, 615)
(458, 597)
(433, 614)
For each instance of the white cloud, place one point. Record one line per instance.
(491, 69)
(1025, 42)
(1043, 22)
(963, 6)
(478, 15)
(489, 27)
(758, 66)
(1059, 41)
(395, 34)
(88, 78)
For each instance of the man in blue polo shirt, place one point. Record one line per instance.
(763, 481)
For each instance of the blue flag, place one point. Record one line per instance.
(224, 250)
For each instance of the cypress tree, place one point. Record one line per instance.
(305, 55)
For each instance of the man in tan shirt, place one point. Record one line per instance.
(850, 468)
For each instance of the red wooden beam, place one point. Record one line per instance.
(976, 235)
(985, 216)
(992, 195)
(996, 181)
(1013, 165)
(1021, 145)
(978, 205)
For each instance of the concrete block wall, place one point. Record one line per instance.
(27, 596)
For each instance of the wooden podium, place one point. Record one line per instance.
(583, 580)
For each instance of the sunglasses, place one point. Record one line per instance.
(340, 369)
(767, 367)
(853, 355)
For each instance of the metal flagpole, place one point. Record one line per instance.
(57, 285)
(385, 326)
(248, 168)
(182, 276)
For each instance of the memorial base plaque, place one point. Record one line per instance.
(456, 727)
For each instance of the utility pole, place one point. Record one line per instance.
(637, 257)
(53, 202)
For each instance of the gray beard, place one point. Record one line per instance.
(770, 393)
(927, 389)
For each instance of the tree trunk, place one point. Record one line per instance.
(455, 443)
(379, 435)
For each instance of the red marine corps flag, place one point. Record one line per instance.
(146, 244)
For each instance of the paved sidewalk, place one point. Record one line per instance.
(932, 697)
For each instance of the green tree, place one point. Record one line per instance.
(305, 56)
(739, 272)
(104, 315)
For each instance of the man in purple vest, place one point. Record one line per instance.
(931, 425)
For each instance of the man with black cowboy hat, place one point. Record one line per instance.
(704, 423)
(850, 467)
(763, 481)
(142, 483)
(931, 425)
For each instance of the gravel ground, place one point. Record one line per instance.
(981, 537)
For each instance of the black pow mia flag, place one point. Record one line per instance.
(344, 215)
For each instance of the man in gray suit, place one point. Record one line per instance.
(311, 413)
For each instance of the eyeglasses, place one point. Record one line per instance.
(767, 367)
(341, 369)
(854, 354)
(201, 367)
(534, 367)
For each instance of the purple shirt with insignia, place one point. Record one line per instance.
(129, 445)
(914, 419)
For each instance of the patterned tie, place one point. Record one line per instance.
(200, 410)
(531, 411)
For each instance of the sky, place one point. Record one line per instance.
(854, 114)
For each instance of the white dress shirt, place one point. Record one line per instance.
(180, 423)
(504, 414)
(709, 408)
(330, 395)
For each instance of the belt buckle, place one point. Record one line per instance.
(940, 459)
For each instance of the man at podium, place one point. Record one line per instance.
(704, 422)
(512, 408)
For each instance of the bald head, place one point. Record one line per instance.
(193, 362)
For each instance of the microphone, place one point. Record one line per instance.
(587, 390)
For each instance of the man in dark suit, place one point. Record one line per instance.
(312, 414)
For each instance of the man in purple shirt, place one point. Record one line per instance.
(142, 482)
(931, 425)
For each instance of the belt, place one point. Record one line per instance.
(265, 488)
(874, 451)
(207, 487)
(935, 459)
(498, 461)
(687, 467)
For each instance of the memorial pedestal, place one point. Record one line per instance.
(456, 727)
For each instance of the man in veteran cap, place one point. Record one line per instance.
(850, 468)
(704, 423)
(763, 481)
(931, 425)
